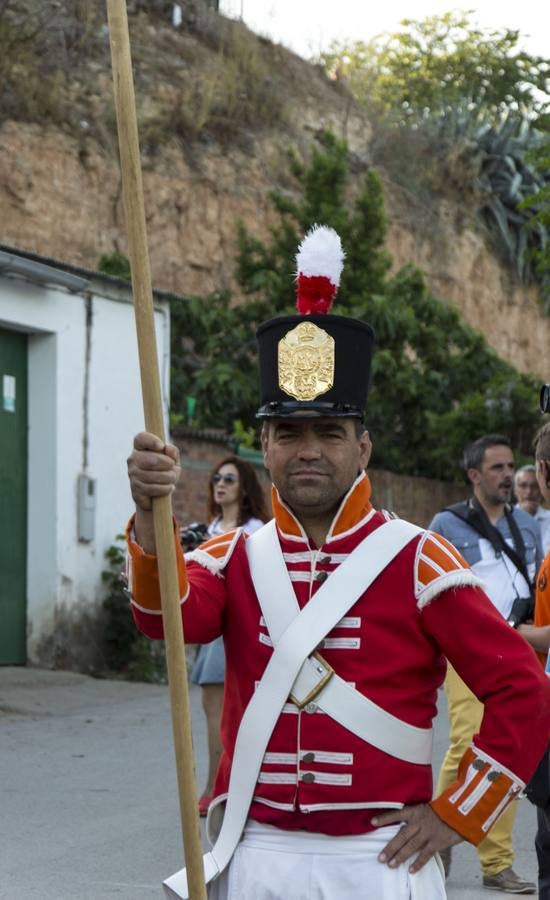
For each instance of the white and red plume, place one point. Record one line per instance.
(320, 260)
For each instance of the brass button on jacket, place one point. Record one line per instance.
(308, 757)
(308, 777)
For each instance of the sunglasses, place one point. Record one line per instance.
(227, 479)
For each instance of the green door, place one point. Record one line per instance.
(13, 496)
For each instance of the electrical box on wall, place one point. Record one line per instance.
(86, 508)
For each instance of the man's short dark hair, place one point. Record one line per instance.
(474, 453)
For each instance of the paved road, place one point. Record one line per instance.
(88, 809)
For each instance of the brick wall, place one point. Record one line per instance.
(198, 455)
(414, 499)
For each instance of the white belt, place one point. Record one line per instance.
(297, 642)
(317, 682)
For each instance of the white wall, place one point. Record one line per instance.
(42, 479)
(72, 419)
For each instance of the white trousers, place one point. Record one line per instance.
(270, 864)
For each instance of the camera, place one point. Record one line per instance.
(193, 535)
(545, 398)
(523, 609)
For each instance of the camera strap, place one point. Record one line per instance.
(471, 512)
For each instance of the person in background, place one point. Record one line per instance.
(235, 500)
(538, 635)
(485, 530)
(529, 498)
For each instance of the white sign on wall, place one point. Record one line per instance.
(8, 393)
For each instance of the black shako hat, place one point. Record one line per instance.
(315, 363)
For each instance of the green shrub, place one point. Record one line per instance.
(126, 651)
(116, 264)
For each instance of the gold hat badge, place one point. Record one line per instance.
(306, 362)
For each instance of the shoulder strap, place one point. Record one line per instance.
(270, 578)
(476, 519)
(340, 700)
(519, 544)
(459, 509)
(480, 524)
(518, 555)
(344, 587)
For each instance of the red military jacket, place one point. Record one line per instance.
(426, 606)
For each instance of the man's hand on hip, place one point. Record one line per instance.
(421, 832)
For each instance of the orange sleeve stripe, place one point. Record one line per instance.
(435, 558)
(218, 552)
(426, 572)
(443, 553)
(219, 540)
(480, 794)
(145, 576)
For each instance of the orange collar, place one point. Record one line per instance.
(353, 511)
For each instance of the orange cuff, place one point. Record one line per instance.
(143, 576)
(481, 793)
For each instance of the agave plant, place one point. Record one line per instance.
(506, 183)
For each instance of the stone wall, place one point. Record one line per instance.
(60, 196)
(462, 269)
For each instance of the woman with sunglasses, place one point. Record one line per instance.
(235, 500)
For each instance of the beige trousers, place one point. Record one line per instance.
(465, 714)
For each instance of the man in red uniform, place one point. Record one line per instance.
(337, 620)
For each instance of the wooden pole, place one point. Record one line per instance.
(152, 402)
